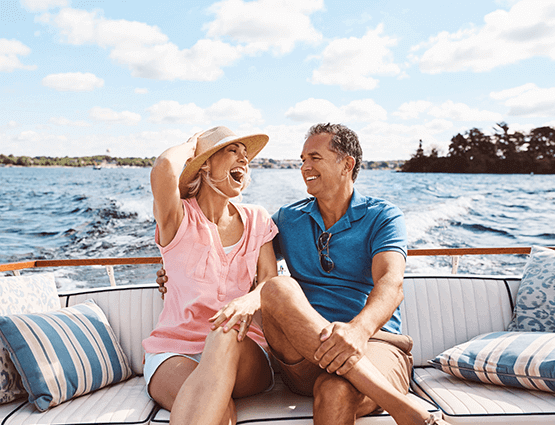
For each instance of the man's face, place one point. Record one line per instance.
(321, 171)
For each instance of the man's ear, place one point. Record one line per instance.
(349, 163)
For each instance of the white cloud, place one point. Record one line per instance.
(528, 100)
(83, 27)
(66, 122)
(9, 52)
(385, 141)
(30, 136)
(109, 116)
(202, 62)
(509, 93)
(449, 110)
(320, 110)
(12, 124)
(173, 112)
(409, 110)
(286, 141)
(253, 27)
(73, 81)
(39, 5)
(234, 110)
(351, 62)
(224, 109)
(526, 30)
(143, 48)
(265, 24)
(463, 112)
(141, 91)
(140, 144)
(522, 128)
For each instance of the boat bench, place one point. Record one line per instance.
(438, 313)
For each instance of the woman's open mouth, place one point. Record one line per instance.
(237, 174)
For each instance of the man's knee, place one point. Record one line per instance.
(332, 390)
(276, 290)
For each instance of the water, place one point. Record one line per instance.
(60, 213)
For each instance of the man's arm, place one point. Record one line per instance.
(344, 344)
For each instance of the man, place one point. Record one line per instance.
(334, 325)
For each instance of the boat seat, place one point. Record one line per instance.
(281, 406)
(468, 402)
(123, 403)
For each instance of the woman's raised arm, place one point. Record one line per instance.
(164, 180)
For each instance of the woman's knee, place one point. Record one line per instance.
(222, 342)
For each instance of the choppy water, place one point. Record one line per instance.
(81, 213)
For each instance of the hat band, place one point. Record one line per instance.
(226, 139)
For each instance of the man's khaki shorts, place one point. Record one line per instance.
(390, 353)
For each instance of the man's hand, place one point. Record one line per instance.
(343, 345)
(161, 280)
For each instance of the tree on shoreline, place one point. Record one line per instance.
(501, 153)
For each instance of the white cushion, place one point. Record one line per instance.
(468, 402)
(123, 403)
(281, 406)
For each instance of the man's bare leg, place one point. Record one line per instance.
(338, 402)
(292, 327)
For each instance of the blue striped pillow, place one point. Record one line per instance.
(64, 353)
(516, 359)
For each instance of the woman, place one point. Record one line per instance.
(205, 348)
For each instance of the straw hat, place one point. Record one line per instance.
(210, 142)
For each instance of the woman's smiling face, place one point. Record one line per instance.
(228, 169)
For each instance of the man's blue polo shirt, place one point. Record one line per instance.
(369, 226)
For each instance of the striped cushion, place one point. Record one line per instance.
(64, 353)
(516, 359)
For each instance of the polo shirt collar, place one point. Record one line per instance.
(356, 211)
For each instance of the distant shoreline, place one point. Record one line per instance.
(108, 162)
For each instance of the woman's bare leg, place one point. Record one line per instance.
(227, 368)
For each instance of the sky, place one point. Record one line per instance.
(133, 78)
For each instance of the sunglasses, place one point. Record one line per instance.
(323, 244)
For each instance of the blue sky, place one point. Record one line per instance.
(133, 78)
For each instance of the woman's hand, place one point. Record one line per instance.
(239, 311)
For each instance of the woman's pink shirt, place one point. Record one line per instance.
(202, 278)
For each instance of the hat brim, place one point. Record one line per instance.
(253, 143)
